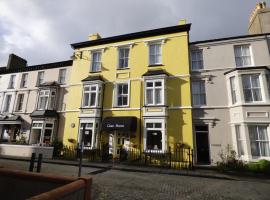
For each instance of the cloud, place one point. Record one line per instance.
(41, 31)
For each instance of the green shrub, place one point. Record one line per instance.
(264, 166)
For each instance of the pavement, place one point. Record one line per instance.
(116, 182)
(204, 173)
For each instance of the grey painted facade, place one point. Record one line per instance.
(219, 63)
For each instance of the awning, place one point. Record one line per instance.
(121, 124)
(44, 113)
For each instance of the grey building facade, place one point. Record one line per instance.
(230, 94)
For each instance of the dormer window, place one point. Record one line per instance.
(46, 100)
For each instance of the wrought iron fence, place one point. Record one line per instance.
(178, 158)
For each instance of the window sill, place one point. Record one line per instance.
(92, 72)
(10, 88)
(121, 106)
(155, 65)
(90, 107)
(156, 105)
(127, 68)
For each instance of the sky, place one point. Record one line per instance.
(42, 31)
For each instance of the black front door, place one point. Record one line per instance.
(202, 144)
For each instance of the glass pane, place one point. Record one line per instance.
(149, 96)
(86, 99)
(154, 140)
(149, 125)
(253, 133)
(120, 101)
(93, 99)
(149, 84)
(262, 133)
(255, 151)
(158, 125)
(158, 96)
(125, 101)
(125, 89)
(257, 95)
(158, 84)
(248, 95)
(265, 150)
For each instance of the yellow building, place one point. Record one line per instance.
(131, 91)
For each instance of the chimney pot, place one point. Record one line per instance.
(182, 22)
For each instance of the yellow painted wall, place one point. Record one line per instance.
(175, 62)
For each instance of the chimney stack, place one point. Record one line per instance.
(15, 62)
(94, 36)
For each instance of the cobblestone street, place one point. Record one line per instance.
(116, 184)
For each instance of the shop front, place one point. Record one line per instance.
(10, 127)
(117, 132)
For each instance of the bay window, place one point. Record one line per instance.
(91, 96)
(154, 134)
(46, 100)
(154, 92)
(259, 140)
(87, 136)
(251, 88)
(240, 141)
(233, 90)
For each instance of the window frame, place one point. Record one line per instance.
(259, 141)
(199, 94)
(163, 133)
(240, 140)
(60, 76)
(242, 56)
(155, 54)
(154, 88)
(93, 62)
(200, 60)
(19, 104)
(119, 67)
(6, 107)
(24, 80)
(116, 94)
(11, 84)
(251, 88)
(39, 80)
(97, 92)
(233, 90)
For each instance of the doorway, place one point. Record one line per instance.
(118, 141)
(202, 144)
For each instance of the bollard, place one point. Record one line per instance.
(39, 163)
(32, 162)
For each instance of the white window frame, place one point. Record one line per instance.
(11, 84)
(93, 62)
(240, 140)
(24, 80)
(259, 140)
(155, 54)
(252, 88)
(162, 129)
(241, 56)
(233, 90)
(20, 102)
(51, 95)
(62, 76)
(7, 105)
(116, 94)
(198, 61)
(200, 94)
(97, 91)
(124, 58)
(40, 77)
(94, 129)
(162, 87)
